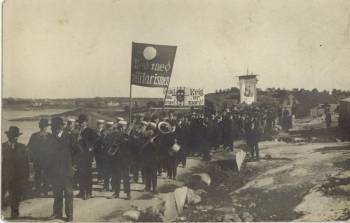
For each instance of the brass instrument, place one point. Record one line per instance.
(113, 149)
(165, 128)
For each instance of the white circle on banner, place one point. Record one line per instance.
(149, 53)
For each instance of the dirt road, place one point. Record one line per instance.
(99, 208)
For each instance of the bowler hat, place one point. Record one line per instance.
(82, 118)
(57, 121)
(13, 132)
(44, 122)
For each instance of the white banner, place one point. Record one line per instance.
(248, 89)
(184, 97)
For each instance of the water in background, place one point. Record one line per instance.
(26, 127)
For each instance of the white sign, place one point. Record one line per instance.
(248, 89)
(184, 96)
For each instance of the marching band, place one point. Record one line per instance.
(144, 149)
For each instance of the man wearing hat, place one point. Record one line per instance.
(182, 134)
(98, 147)
(118, 145)
(38, 152)
(136, 141)
(252, 136)
(15, 170)
(86, 141)
(106, 157)
(150, 159)
(61, 159)
(71, 130)
(70, 127)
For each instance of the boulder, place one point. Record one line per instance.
(192, 198)
(204, 177)
(247, 217)
(197, 199)
(345, 188)
(232, 217)
(181, 218)
(220, 219)
(252, 205)
(180, 198)
(201, 192)
(133, 215)
(170, 212)
(268, 156)
(208, 207)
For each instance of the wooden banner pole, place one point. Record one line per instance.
(130, 104)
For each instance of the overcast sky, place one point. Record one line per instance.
(82, 48)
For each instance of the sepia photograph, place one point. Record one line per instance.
(175, 111)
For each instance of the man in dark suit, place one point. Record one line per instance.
(150, 158)
(15, 170)
(98, 147)
(61, 156)
(182, 137)
(252, 136)
(118, 147)
(86, 142)
(136, 142)
(228, 131)
(38, 149)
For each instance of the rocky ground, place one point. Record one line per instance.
(304, 181)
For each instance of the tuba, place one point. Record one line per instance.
(165, 128)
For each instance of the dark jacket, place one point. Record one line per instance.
(182, 134)
(211, 131)
(119, 150)
(38, 147)
(62, 151)
(150, 155)
(197, 132)
(252, 132)
(15, 163)
(86, 142)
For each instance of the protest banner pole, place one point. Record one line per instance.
(166, 93)
(167, 87)
(130, 103)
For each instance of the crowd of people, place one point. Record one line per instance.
(121, 152)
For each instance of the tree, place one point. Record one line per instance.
(314, 91)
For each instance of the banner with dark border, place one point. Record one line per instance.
(151, 65)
